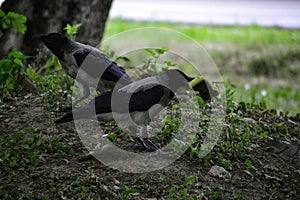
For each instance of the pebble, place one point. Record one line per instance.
(219, 172)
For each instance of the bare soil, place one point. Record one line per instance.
(75, 175)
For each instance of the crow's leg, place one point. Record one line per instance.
(146, 140)
(142, 142)
(150, 143)
(133, 131)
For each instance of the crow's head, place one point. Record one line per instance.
(174, 79)
(179, 79)
(56, 43)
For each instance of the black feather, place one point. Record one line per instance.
(140, 101)
(114, 73)
(81, 56)
(66, 118)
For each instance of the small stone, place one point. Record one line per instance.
(271, 167)
(116, 181)
(219, 172)
(117, 187)
(7, 120)
(249, 120)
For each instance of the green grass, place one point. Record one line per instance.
(20, 149)
(266, 59)
(250, 36)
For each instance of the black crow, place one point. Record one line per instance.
(91, 62)
(143, 103)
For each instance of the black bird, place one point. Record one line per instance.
(90, 62)
(144, 103)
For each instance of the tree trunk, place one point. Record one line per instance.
(44, 16)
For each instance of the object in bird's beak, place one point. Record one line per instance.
(195, 81)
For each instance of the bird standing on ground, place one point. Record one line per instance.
(94, 67)
(142, 99)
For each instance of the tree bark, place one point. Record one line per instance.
(44, 16)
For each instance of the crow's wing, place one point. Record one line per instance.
(115, 73)
(97, 64)
(140, 101)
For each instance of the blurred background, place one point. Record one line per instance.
(279, 13)
(255, 44)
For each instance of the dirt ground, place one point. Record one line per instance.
(74, 175)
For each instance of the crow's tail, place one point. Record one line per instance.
(66, 118)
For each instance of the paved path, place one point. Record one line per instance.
(283, 13)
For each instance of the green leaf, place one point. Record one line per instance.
(71, 30)
(4, 63)
(124, 58)
(18, 136)
(129, 191)
(9, 84)
(32, 75)
(67, 28)
(246, 137)
(162, 50)
(77, 26)
(29, 140)
(56, 62)
(112, 136)
(265, 135)
(172, 192)
(15, 54)
(18, 62)
(143, 176)
(18, 21)
(152, 53)
(200, 101)
(20, 25)
(248, 162)
(2, 13)
(170, 64)
(13, 162)
(190, 180)
(4, 25)
(50, 62)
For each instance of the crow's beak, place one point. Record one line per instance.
(38, 36)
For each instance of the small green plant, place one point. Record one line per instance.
(171, 126)
(54, 85)
(12, 70)
(112, 137)
(22, 149)
(112, 55)
(12, 65)
(144, 176)
(183, 191)
(128, 192)
(72, 30)
(12, 19)
(152, 64)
